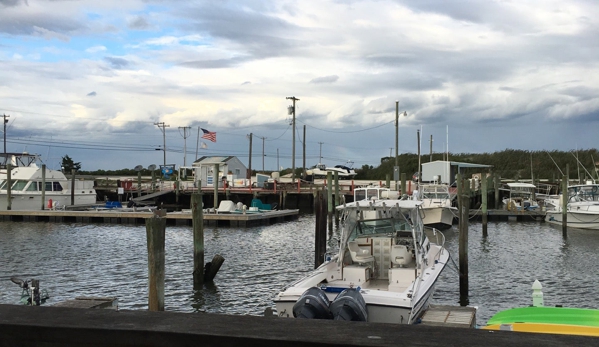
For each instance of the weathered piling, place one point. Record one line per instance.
(155, 231)
(215, 183)
(198, 240)
(212, 267)
(330, 200)
(153, 181)
(138, 183)
(43, 186)
(565, 205)
(337, 198)
(403, 183)
(484, 196)
(8, 187)
(496, 181)
(464, 202)
(177, 192)
(388, 181)
(320, 232)
(72, 187)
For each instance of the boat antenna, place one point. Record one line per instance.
(585, 169)
(560, 171)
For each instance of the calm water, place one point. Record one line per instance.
(111, 260)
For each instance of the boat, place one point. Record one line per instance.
(437, 205)
(582, 207)
(344, 172)
(545, 319)
(27, 184)
(520, 196)
(385, 269)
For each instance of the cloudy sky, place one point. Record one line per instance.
(91, 79)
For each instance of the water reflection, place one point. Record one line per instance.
(74, 259)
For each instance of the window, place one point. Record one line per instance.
(56, 186)
(19, 185)
(32, 187)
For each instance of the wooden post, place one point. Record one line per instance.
(320, 236)
(337, 198)
(72, 187)
(215, 180)
(154, 181)
(155, 230)
(198, 240)
(212, 267)
(403, 183)
(565, 199)
(484, 197)
(330, 199)
(177, 191)
(388, 181)
(463, 244)
(43, 186)
(496, 181)
(138, 183)
(8, 187)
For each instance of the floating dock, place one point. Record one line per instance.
(172, 218)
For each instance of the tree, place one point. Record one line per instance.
(68, 164)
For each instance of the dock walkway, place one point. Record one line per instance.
(172, 218)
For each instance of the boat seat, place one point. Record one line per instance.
(359, 255)
(400, 255)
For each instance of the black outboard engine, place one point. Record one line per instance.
(349, 305)
(313, 304)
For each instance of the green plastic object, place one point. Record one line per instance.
(547, 315)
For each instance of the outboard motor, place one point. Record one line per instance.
(349, 305)
(313, 304)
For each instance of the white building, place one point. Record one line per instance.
(229, 167)
(445, 171)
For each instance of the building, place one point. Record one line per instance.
(229, 167)
(445, 171)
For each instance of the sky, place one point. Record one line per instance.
(94, 80)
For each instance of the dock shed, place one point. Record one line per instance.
(445, 171)
(229, 167)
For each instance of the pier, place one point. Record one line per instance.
(172, 218)
(60, 326)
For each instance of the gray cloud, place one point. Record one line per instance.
(117, 63)
(214, 64)
(8, 3)
(91, 94)
(138, 23)
(325, 79)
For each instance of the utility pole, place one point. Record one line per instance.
(5, 121)
(396, 174)
(304, 156)
(249, 175)
(184, 145)
(163, 126)
(293, 145)
(263, 138)
(390, 152)
(320, 153)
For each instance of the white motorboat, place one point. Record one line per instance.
(437, 205)
(582, 207)
(385, 270)
(320, 171)
(27, 185)
(520, 196)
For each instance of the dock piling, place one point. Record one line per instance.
(320, 236)
(155, 231)
(198, 239)
(330, 200)
(43, 186)
(212, 267)
(464, 202)
(565, 205)
(8, 186)
(484, 196)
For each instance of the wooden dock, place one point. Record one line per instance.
(172, 218)
(509, 216)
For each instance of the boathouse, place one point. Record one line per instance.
(441, 171)
(229, 167)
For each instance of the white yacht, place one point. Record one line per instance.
(582, 207)
(344, 172)
(385, 269)
(26, 185)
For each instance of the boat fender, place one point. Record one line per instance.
(313, 304)
(349, 305)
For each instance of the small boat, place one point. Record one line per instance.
(385, 269)
(344, 172)
(544, 319)
(437, 205)
(520, 196)
(582, 207)
(27, 183)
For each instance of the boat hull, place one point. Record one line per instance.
(574, 219)
(438, 217)
(28, 202)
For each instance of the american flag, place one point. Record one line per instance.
(209, 135)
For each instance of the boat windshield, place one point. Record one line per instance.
(584, 193)
(379, 227)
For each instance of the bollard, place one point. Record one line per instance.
(537, 294)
